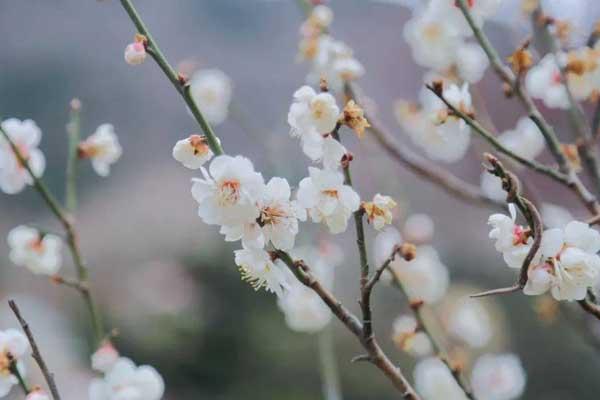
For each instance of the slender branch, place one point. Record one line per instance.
(590, 307)
(14, 370)
(179, 82)
(496, 144)
(376, 355)
(37, 356)
(421, 166)
(506, 75)
(439, 348)
(74, 135)
(72, 239)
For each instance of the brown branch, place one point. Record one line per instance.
(37, 356)
(421, 166)
(375, 354)
(590, 307)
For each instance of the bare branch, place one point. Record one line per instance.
(37, 356)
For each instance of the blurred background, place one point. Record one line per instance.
(166, 280)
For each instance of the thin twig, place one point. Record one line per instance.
(421, 166)
(590, 307)
(180, 83)
(72, 239)
(376, 355)
(37, 356)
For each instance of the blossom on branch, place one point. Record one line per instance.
(13, 347)
(192, 152)
(39, 252)
(102, 148)
(125, 380)
(26, 136)
(260, 271)
(212, 90)
(498, 377)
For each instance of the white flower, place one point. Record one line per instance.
(470, 322)
(13, 345)
(102, 148)
(304, 310)
(333, 61)
(26, 136)
(419, 228)
(105, 357)
(277, 221)
(434, 381)
(436, 143)
(135, 53)
(432, 41)
(211, 90)
(471, 62)
(567, 262)
(40, 253)
(228, 195)
(348, 68)
(491, 186)
(425, 278)
(379, 211)
(192, 152)
(312, 112)
(449, 11)
(526, 140)
(498, 377)
(323, 15)
(126, 381)
(259, 270)
(37, 394)
(409, 339)
(543, 81)
(323, 149)
(512, 240)
(385, 242)
(327, 199)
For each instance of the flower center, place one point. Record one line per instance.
(432, 32)
(199, 145)
(5, 363)
(318, 109)
(331, 193)
(230, 192)
(271, 215)
(520, 235)
(36, 245)
(556, 78)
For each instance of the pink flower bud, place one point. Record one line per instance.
(135, 53)
(105, 357)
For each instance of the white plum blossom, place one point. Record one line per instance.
(277, 221)
(409, 339)
(311, 116)
(105, 357)
(135, 53)
(433, 42)
(544, 82)
(229, 191)
(127, 381)
(425, 277)
(332, 60)
(26, 136)
(526, 140)
(379, 211)
(469, 321)
(567, 263)
(304, 310)
(511, 239)
(37, 394)
(491, 186)
(419, 228)
(102, 148)
(438, 144)
(498, 377)
(13, 345)
(38, 252)
(434, 381)
(327, 199)
(212, 90)
(385, 242)
(192, 152)
(260, 271)
(324, 149)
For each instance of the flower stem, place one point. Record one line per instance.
(179, 82)
(72, 240)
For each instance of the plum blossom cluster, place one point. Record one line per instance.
(438, 36)
(566, 264)
(122, 379)
(330, 59)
